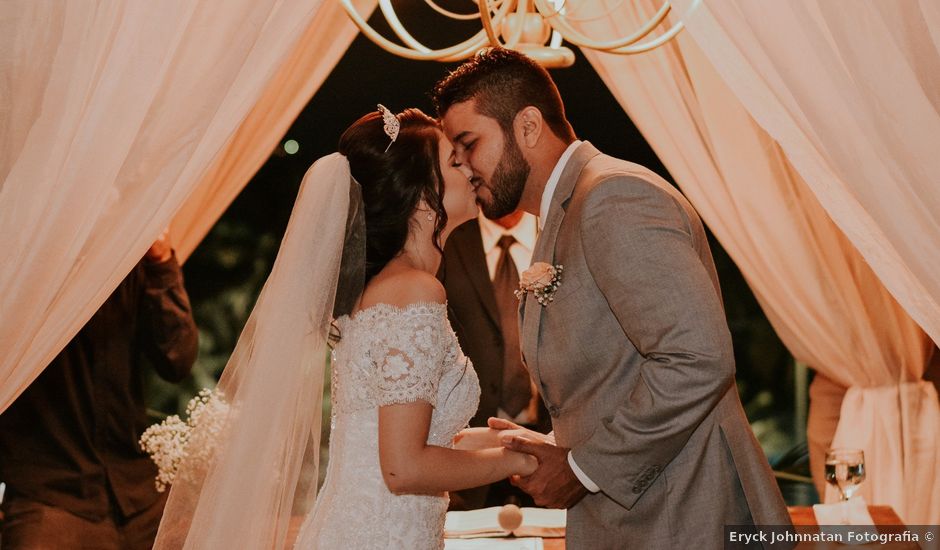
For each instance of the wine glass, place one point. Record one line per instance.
(845, 468)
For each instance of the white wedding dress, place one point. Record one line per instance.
(387, 355)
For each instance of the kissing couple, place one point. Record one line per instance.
(632, 355)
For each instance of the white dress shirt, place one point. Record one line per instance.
(547, 194)
(521, 251)
(552, 182)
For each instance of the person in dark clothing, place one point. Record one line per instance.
(69, 454)
(480, 270)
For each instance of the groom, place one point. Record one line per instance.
(631, 354)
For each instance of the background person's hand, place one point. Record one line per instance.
(161, 250)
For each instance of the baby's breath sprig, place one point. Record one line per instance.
(174, 441)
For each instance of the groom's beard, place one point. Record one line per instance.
(507, 182)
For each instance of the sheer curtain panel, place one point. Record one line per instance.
(320, 48)
(851, 92)
(112, 112)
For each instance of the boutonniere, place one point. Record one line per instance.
(542, 280)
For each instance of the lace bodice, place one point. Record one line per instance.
(388, 355)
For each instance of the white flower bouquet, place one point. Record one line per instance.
(174, 441)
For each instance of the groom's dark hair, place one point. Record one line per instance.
(503, 82)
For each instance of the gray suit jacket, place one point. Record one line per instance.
(634, 361)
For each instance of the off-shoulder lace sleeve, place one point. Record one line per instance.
(409, 356)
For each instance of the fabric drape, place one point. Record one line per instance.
(320, 48)
(114, 115)
(851, 92)
(826, 304)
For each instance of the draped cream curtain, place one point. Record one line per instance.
(320, 48)
(113, 114)
(827, 305)
(851, 92)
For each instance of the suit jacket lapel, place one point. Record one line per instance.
(545, 249)
(470, 252)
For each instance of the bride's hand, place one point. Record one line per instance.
(471, 439)
(528, 464)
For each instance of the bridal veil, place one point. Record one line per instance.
(262, 470)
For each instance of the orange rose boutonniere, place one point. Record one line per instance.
(542, 280)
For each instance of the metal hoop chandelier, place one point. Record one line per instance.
(523, 25)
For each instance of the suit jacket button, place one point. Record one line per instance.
(553, 410)
(637, 489)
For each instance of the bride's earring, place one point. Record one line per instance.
(430, 216)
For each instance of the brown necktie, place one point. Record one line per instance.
(517, 391)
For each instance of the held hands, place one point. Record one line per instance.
(553, 484)
(528, 464)
(474, 439)
(506, 428)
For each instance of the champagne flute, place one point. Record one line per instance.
(845, 468)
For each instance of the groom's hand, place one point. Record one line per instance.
(553, 484)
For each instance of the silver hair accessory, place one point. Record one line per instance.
(392, 125)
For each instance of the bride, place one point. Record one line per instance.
(363, 245)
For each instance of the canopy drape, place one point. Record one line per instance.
(114, 114)
(320, 48)
(851, 92)
(827, 305)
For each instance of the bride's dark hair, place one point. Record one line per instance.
(394, 181)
